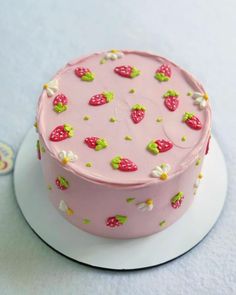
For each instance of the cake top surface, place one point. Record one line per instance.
(123, 115)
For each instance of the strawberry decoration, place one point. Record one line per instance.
(84, 74)
(62, 183)
(101, 98)
(60, 103)
(115, 221)
(123, 164)
(137, 113)
(96, 143)
(62, 132)
(159, 146)
(177, 200)
(208, 144)
(163, 73)
(192, 121)
(171, 100)
(127, 71)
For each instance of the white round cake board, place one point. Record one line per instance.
(55, 231)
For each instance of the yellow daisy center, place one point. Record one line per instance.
(205, 96)
(200, 175)
(164, 176)
(69, 212)
(65, 160)
(149, 202)
(45, 86)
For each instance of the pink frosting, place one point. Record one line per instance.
(103, 186)
(148, 92)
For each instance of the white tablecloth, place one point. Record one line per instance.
(36, 39)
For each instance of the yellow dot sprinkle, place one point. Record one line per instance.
(184, 138)
(132, 90)
(189, 93)
(162, 223)
(86, 221)
(49, 187)
(36, 124)
(113, 119)
(130, 200)
(102, 61)
(89, 164)
(159, 119)
(127, 137)
(86, 118)
(198, 162)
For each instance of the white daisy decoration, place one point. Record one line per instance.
(161, 171)
(146, 206)
(64, 208)
(200, 99)
(67, 157)
(114, 54)
(51, 87)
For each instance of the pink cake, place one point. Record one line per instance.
(122, 138)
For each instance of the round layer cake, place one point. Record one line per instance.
(122, 137)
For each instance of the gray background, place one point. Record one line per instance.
(39, 37)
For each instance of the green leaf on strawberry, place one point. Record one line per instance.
(63, 182)
(109, 96)
(152, 147)
(171, 92)
(187, 116)
(121, 218)
(161, 77)
(69, 129)
(88, 77)
(135, 72)
(101, 144)
(115, 162)
(59, 108)
(138, 107)
(177, 197)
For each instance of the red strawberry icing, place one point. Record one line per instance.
(163, 73)
(127, 71)
(171, 100)
(159, 146)
(96, 143)
(137, 113)
(115, 221)
(84, 73)
(60, 103)
(62, 132)
(101, 98)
